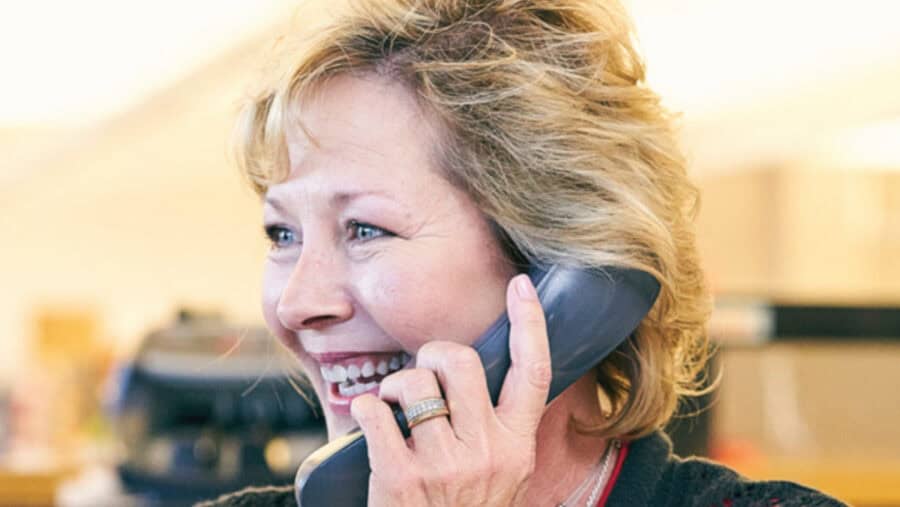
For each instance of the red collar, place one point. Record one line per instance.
(620, 459)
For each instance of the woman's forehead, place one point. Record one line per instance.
(365, 108)
(359, 121)
(359, 136)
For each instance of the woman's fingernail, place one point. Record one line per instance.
(525, 289)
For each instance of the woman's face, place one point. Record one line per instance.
(374, 253)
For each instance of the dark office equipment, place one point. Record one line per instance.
(207, 408)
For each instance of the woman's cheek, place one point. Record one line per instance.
(400, 303)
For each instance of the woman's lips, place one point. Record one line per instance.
(348, 375)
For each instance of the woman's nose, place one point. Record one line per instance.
(314, 296)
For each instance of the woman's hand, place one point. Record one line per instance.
(482, 455)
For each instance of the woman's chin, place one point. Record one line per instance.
(339, 425)
(336, 409)
(337, 422)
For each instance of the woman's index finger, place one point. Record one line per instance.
(527, 383)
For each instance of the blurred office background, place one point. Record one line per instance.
(123, 221)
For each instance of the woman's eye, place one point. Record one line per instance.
(364, 232)
(279, 237)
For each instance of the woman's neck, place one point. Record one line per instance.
(564, 457)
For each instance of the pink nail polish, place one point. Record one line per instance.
(525, 289)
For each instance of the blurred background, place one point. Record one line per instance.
(132, 354)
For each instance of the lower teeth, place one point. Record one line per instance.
(347, 389)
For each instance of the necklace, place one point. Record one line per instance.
(597, 476)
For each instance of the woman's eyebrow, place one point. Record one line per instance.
(339, 198)
(347, 196)
(276, 205)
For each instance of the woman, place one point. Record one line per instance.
(413, 157)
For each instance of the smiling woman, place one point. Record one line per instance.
(415, 161)
(363, 268)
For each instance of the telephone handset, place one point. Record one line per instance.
(588, 312)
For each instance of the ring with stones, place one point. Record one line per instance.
(426, 409)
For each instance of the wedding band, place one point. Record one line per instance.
(424, 410)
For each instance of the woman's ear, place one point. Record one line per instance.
(512, 252)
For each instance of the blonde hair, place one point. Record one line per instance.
(547, 126)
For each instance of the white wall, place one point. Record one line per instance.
(134, 217)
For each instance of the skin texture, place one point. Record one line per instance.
(404, 261)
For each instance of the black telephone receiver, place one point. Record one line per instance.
(588, 312)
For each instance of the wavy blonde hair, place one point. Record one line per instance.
(545, 122)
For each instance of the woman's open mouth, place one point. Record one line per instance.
(348, 376)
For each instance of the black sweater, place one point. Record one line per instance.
(651, 476)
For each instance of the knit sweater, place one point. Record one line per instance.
(650, 476)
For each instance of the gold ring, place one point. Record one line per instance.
(426, 409)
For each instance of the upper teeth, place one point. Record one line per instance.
(339, 373)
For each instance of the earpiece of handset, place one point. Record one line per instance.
(588, 313)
